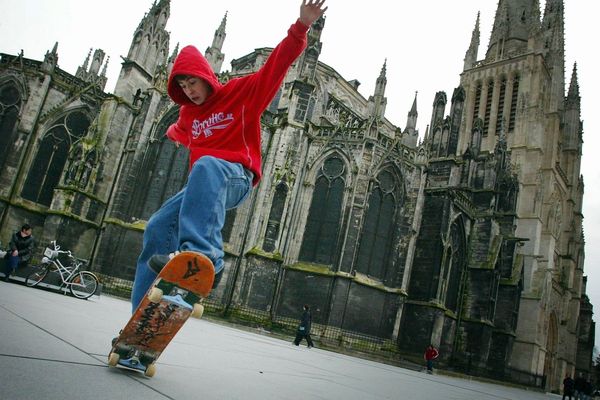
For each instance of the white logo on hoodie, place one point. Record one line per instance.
(215, 121)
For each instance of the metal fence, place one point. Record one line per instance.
(333, 338)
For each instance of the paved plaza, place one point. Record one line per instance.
(54, 346)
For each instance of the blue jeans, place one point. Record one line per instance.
(12, 262)
(429, 365)
(193, 218)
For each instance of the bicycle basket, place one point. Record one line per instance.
(50, 253)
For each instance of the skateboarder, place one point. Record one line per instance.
(220, 124)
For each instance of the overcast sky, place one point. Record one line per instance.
(423, 41)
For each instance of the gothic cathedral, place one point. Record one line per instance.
(468, 237)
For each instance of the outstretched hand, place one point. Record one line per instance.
(311, 10)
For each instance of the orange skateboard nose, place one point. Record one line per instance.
(190, 270)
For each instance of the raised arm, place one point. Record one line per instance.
(311, 10)
(267, 80)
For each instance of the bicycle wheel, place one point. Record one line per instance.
(83, 285)
(38, 275)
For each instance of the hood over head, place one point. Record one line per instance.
(191, 62)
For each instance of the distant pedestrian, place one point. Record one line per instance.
(431, 353)
(580, 385)
(568, 387)
(303, 331)
(588, 390)
(19, 250)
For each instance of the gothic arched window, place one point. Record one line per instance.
(513, 103)
(274, 223)
(10, 104)
(478, 90)
(375, 255)
(488, 107)
(500, 115)
(51, 157)
(162, 173)
(320, 242)
(454, 263)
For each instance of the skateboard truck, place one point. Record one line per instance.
(176, 297)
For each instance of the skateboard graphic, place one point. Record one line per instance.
(175, 295)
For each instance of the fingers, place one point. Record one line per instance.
(314, 3)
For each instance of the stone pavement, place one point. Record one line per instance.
(54, 346)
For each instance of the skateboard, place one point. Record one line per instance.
(174, 296)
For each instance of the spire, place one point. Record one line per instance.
(381, 82)
(87, 60)
(413, 110)
(214, 54)
(220, 33)
(172, 59)
(377, 102)
(307, 63)
(572, 129)
(554, 28)
(514, 23)
(411, 132)
(50, 59)
(105, 67)
(535, 20)
(471, 55)
(82, 70)
(573, 96)
(552, 35)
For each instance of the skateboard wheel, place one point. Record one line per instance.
(197, 311)
(155, 295)
(113, 359)
(150, 370)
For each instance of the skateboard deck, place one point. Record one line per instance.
(174, 296)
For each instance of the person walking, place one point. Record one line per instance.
(431, 353)
(579, 387)
(568, 387)
(303, 331)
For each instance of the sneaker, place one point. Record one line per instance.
(158, 261)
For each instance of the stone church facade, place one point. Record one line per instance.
(470, 238)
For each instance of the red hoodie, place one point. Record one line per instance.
(227, 124)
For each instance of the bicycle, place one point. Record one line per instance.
(82, 284)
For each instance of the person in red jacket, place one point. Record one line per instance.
(431, 353)
(220, 125)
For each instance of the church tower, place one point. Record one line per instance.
(518, 92)
(148, 51)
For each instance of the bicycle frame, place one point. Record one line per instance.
(65, 272)
(81, 283)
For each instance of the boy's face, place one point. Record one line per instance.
(196, 89)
